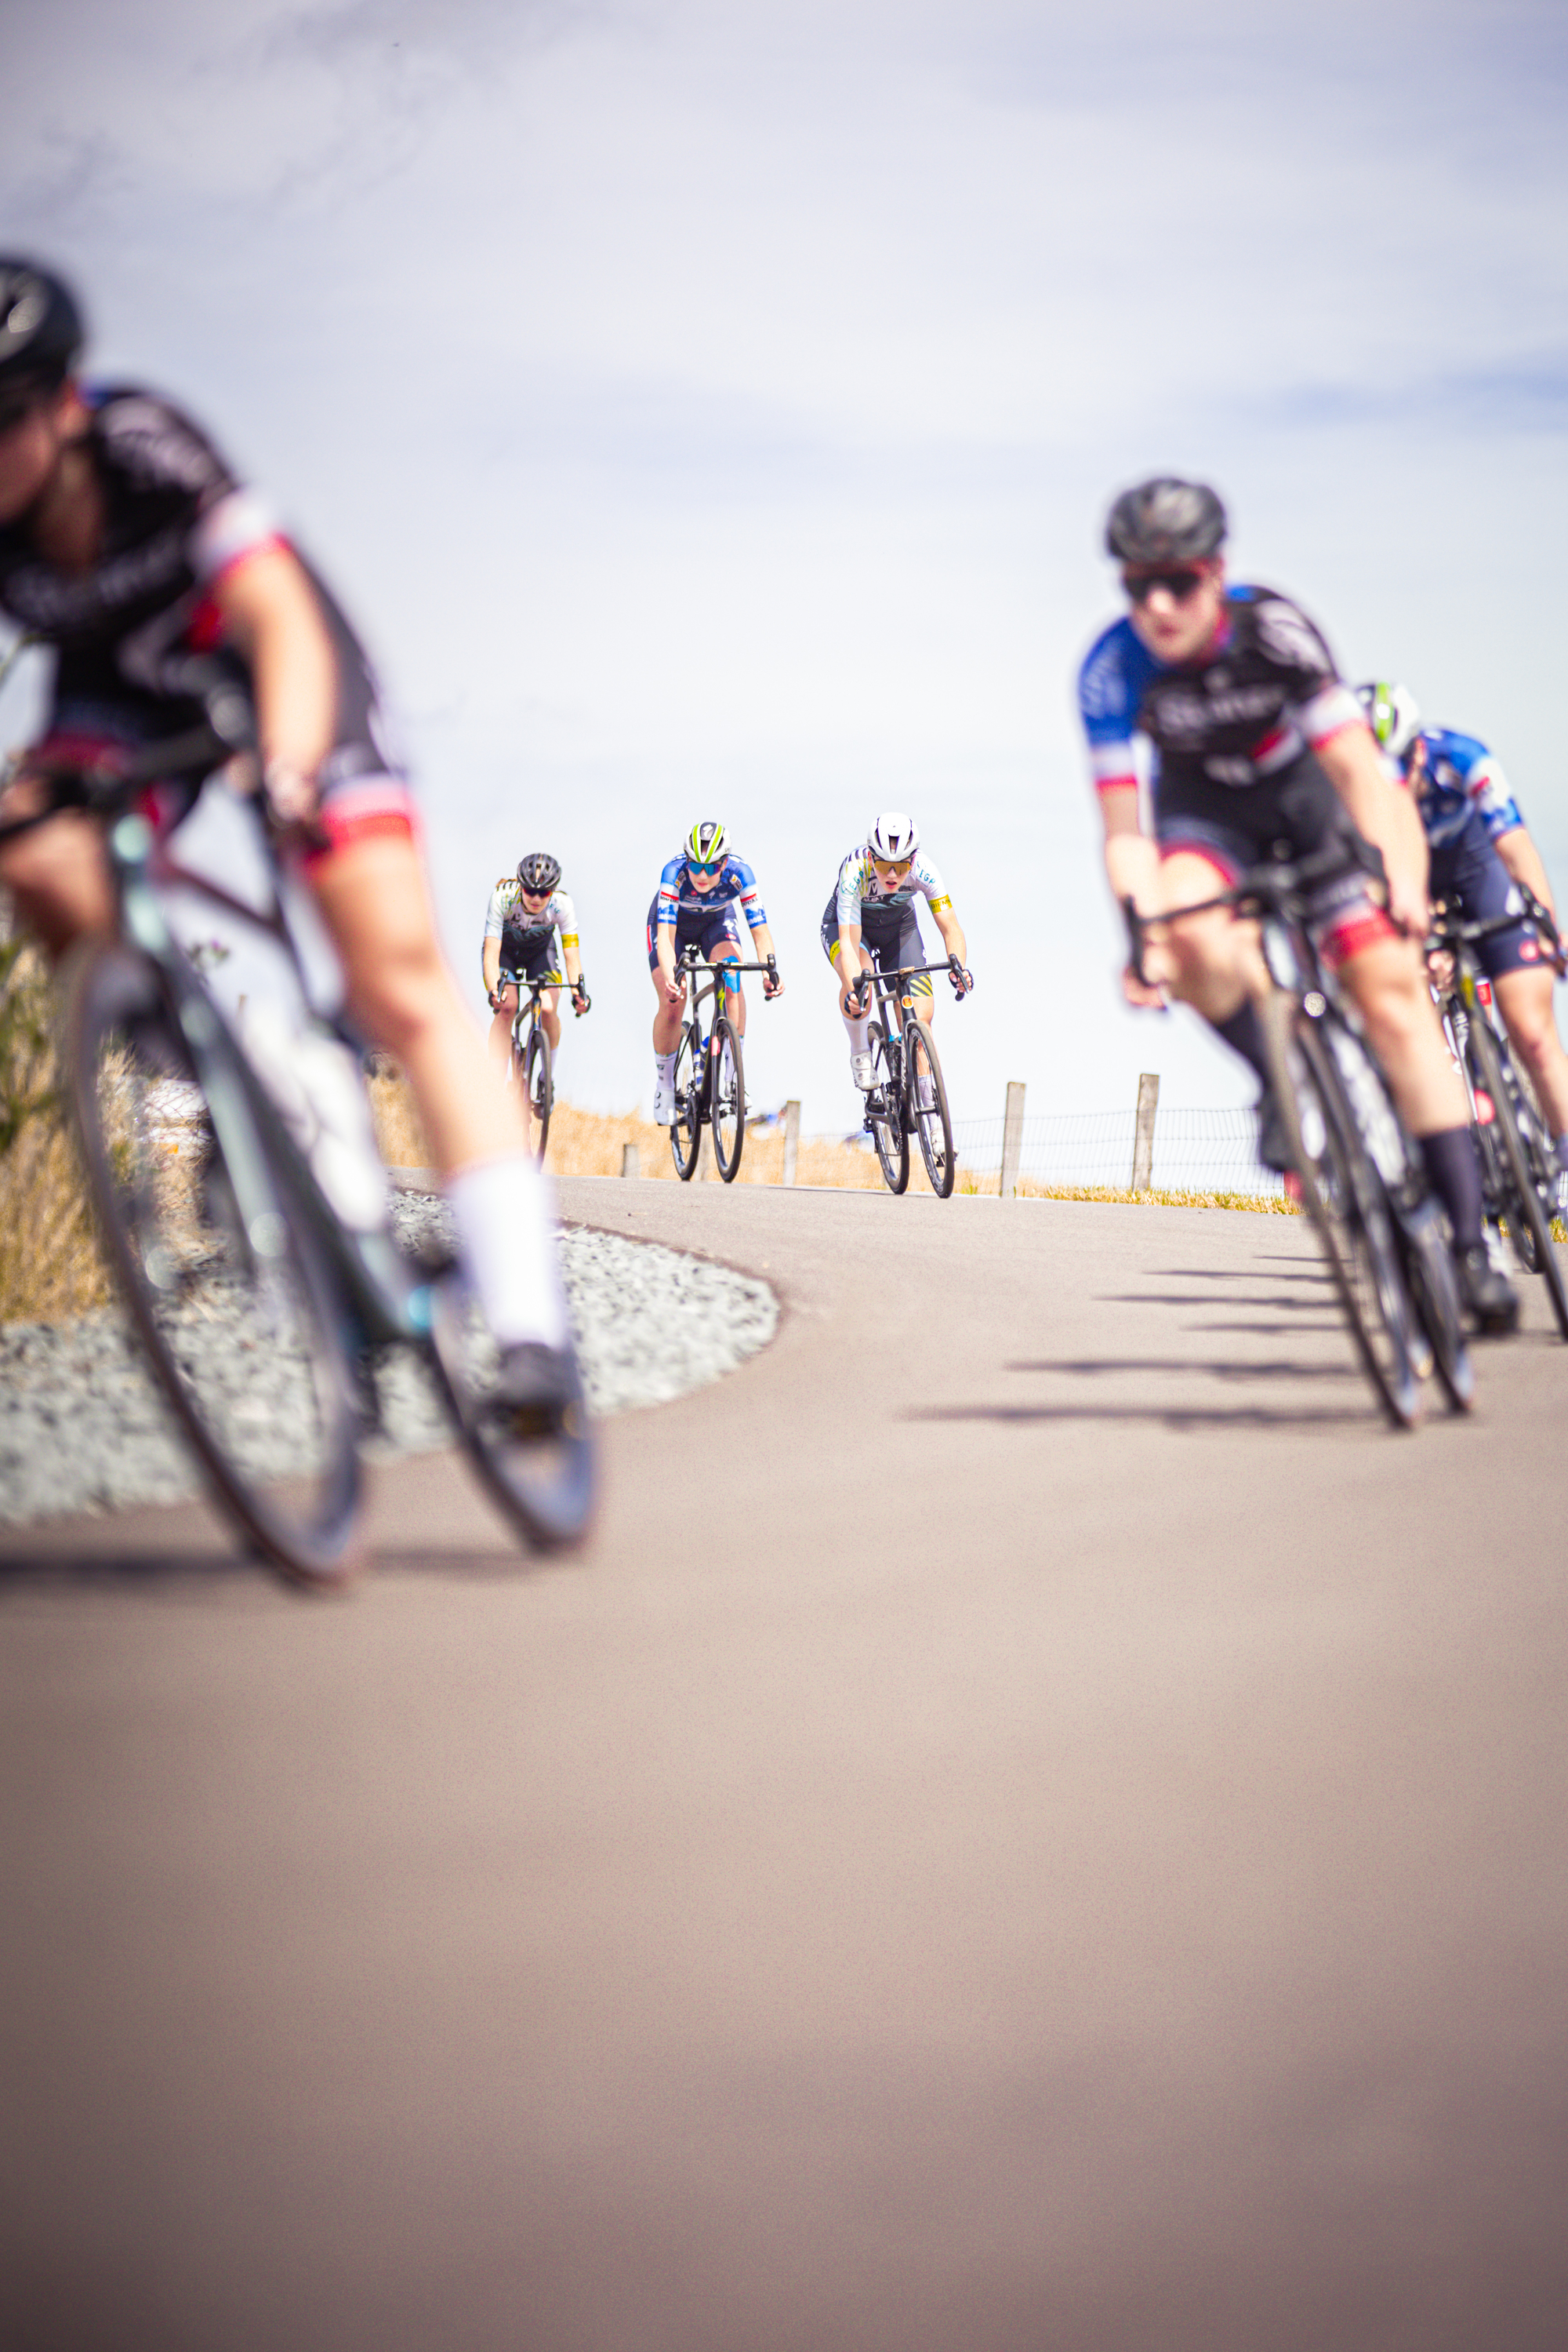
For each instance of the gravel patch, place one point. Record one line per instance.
(83, 1425)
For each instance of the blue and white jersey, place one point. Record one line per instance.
(1460, 778)
(736, 884)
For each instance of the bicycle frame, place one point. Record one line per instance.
(689, 963)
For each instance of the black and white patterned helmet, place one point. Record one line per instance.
(539, 871)
(1165, 521)
(40, 326)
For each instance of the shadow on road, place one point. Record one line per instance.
(1177, 1417)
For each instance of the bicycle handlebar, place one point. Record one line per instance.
(104, 785)
(1277, 886)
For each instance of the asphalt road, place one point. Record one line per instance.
(1036, 1821)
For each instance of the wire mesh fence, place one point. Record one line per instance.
(1193, 1150)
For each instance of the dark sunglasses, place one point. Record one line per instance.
(1178, 583)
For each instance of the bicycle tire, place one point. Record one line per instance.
(545, 1484)
(1343, 1196)
(884, 1112)
(539, 1089)
(240, 1318)
(1529, 1216)
(690, 1079)
(1435, 1294)
(934, 1125)
(727, 1094)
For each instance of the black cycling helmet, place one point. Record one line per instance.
(539, 870)
(1165, 521)
(41, 330)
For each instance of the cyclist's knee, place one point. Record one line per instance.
(400, 996)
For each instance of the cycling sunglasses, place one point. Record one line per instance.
(1179, 582)
(892, 864)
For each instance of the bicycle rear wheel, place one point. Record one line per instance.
(1435, 1294)
(238, 1315)
(928, 1096)
(1527, 1172)
(1343, 1196)
(539, 1089)
(727, 1095)
(884, 1113)
(686, 1126)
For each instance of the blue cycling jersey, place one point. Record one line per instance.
(737, 882)
(1460, 778)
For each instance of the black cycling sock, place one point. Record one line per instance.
(1243, 1032)
(1456, 1174)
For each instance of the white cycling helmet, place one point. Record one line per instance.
(894, 836)
(1392, 715)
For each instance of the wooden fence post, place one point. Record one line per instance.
(1012, 1136)
(792, 1141)
(630, 1164)
(1143, 1133)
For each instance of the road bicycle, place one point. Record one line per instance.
(1361, 1180)
(532, 1064)
(908, 1095)
(261, 1272)
(1518, 1160)
(709, 1075)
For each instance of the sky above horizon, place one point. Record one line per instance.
(711, 410)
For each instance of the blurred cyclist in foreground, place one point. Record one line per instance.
(1262, 750)
(129, 545)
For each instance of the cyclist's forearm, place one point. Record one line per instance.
(664, 947)
(490, 965)
(572, 960)
(762, 943)
(271, 612)
(1382, 812)
(1522, 859)
(952, 931)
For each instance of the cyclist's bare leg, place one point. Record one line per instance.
(1212, 962)
(1524, 999)
(734, 994)
(58, 875)
(667, 1018)
(1388, 983)
(498, 1041)
(550, 1020)
(373, 898)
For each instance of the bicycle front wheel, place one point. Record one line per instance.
(539, 1090)
(928, 1096)
(1343, 1196)
(1524, 1167)
(884, 1113)
(727, 1095)
(686, 1126)
(233, 1303)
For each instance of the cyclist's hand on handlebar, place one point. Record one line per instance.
(962, 978)
(771, 985)
(675, 988)
(581, 1001)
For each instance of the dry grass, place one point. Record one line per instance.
(49, 1262)
(1268, 1204)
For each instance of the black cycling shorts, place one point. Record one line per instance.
(890, 936)
(532, 953)
(707, 932)
(1291, 816)
(1468, 873)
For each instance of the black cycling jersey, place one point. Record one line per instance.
(1268, 692)
(139, 636)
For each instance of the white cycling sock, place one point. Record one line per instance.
(502, 1211)
(860, 1032)
(664, 1068)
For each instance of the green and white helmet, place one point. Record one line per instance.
(1392, 715)
(707, 844)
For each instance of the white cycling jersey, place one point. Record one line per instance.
(507, 912)
(861, 887)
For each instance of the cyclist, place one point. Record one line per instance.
(528, 910)
(129, 545)
(1481, 855)
(694, 905)
(1257, 743)
(870, 923)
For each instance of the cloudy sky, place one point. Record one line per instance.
(708, 407)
